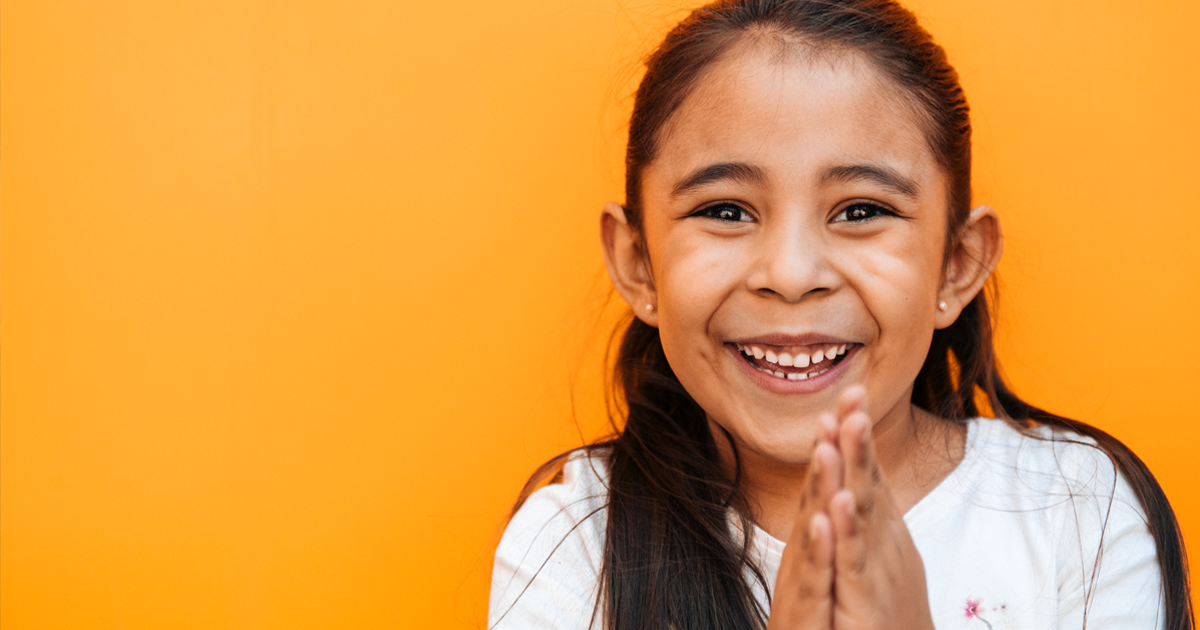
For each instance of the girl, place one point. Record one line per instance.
(802, 446)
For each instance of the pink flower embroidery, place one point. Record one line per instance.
(972, 610)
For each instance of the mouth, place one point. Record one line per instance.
(794, 363)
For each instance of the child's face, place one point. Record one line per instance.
(824, 229)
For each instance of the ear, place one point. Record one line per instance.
(627, 266)
(978, 249)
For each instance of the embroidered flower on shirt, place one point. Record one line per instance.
(972, 610)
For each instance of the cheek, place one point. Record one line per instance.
(694, 275)
(898, 281)
(901, 270)
(898, 288)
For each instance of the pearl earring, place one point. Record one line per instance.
(649, 307)
(942, 306)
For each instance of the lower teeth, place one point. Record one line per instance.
(796, 376)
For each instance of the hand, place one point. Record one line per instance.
(879, 577)
(852, 565)
(804, 588)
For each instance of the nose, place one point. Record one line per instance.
(792, 263)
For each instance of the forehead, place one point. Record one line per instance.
(795, 111)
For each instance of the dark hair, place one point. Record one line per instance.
(670, 557)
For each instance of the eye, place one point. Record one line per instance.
(861, 212)
(726, 212)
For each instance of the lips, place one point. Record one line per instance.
(794, 363)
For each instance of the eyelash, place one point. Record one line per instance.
(876, 210)
(715, 211)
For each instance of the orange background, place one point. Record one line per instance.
(296, 294)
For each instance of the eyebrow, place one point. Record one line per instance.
(736, 171)
(882, 175)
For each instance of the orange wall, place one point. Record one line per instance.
(294, 292)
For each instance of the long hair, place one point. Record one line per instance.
(671, 559)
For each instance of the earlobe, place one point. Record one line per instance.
(626, 263)
(977, 250)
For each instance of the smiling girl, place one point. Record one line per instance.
(802, 445)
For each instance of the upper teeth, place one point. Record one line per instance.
(793, 356)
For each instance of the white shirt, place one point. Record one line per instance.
(1021, 534)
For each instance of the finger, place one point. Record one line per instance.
(850, 547)
(851, 400)
(862, 475)
(828, 473)
(854, 438)
(821, 561)
(829, 428)
(804, 589)
(825, 477)
(821, 550)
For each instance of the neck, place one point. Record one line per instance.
(916, 451)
